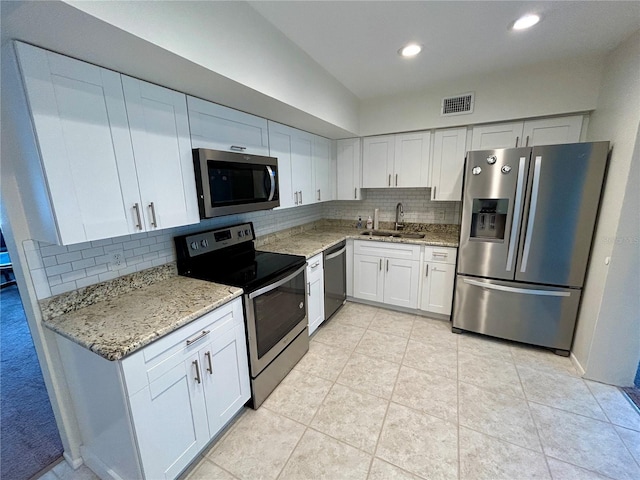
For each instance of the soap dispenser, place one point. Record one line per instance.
(369, 223)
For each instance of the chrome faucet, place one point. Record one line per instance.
(399, 215)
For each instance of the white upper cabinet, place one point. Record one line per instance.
(280, 146)
(322, 169)
(162, 151)
(348, 171)
(545, 131)
(377, 161)
(220, 128)
(396, 160)
(448, 164)
(411, 162)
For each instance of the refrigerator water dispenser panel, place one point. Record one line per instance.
(488, 219)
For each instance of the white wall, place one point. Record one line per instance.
(607, 340)
(539, 90)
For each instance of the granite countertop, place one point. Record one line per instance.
(118, 326)
(314, 241)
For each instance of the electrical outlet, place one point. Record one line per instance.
(440, 215)
(117, 260)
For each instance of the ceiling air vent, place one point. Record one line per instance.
(458, 105)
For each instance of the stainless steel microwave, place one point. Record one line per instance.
(231, 183)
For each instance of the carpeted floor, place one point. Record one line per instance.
(29, 436)
(634, 394)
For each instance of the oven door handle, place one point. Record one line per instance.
(273, 286)
(272, 177)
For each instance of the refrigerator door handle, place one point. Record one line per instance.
(532, 213)
(526, 291)
(517, 207)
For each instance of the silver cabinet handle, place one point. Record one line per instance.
(300, 197)
(295, 196)
(433, 193)
(237, 148)
(389, 180)
(515, 223)
(308, 289)
(154, 223)
(517, 140)
(197, 377)
(318, 194)
(199, 337)
(380, 264)
(387, 265)
(210, 367)
(315, 265)
(427, 270)
(532, 213)
(527, 141)
(396, 179)
(272, 178)
(439, 254)
(136, 207)
(355, 193)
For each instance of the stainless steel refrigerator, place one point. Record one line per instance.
(528, 216)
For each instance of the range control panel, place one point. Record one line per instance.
(212, 240)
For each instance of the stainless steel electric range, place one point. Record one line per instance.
(274, 297)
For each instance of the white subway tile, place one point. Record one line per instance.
(52, 250)
(58, 269)
(140, 250)
(63, 288)
(68, 257)
(93, 252)
(101, 243)
(96, 270)
(85, 282)
(131, 244)
(108, 276)
(33, 259)
(40, 283)
(49, 261)
(75, 275)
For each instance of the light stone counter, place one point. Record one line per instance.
(119, 325)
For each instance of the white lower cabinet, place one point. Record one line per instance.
(315, 292)
(438, 270)
(386, 273)
(165, 401)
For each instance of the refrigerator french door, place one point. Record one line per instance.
(528, 217)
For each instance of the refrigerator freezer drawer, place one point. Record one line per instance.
(539, 315)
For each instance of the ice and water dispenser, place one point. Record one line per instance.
(488, 219)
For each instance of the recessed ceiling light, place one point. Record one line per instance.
(410, 50)
(526, 21)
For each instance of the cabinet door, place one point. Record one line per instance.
(280, 146)
(302, 167)
(377, 161)
(349, 179)
(225, 373)
(368, 278)
(411, 160)
(552, 131)
(162, 150)
(504, 135)
(170, 419)
(448, 164)
(315, 293)
(322, 169)
(437, 288)
(221, 128)
(80, 122)
(401, 282)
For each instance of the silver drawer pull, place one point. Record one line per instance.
(440, 254)
(154, 222)
(210, 367)
(237, 148)
(315, 265)
(197, 377)
(136, 207)
(202, 335)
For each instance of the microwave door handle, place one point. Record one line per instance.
(273, 286)
(272, 178)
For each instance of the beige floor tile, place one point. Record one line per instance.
(566, 471)
(559, 391)
(64, 472)
(323, 361)
(502, 416)
(369, 375)
(298, 396)
(207, 470)
(356, 315)
(434, 332)
(318, 456)
(48, 475)
(542, 359)
(616, 405)
(385, 471)
(258, 446)
(489, 374)
(484, 346)
(584, 442)
(432, 394)
(385, 347)
(393, 323)
(339, 335)
(421, 444)
(353, 417)
(484, 457)
(631, 439)
(434, 358)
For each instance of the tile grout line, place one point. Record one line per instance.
(458, 390)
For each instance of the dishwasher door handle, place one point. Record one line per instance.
(336, 254)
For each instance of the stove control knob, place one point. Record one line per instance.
(506, 168)
(247, 232)
(204, 243)
(240, 233)
(476, 170)
(492, 159)
(194, 245)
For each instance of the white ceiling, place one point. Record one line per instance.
(357, 41)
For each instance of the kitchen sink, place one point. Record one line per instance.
(394, 235)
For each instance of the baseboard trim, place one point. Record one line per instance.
(74, 463)
(576, 364)
(413, 311)
(97, 466)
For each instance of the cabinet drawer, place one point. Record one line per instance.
(314, 264)
(149, 363)
(386, 249)
(440, 255)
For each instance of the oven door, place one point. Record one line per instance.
(276, 314)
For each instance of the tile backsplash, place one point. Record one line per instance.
(58, 269)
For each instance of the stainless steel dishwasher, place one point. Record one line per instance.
(335, 278)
